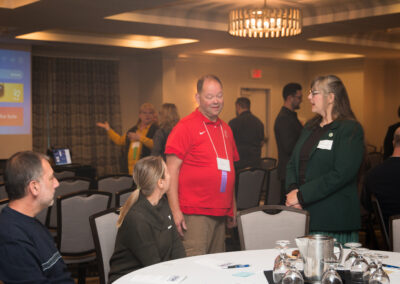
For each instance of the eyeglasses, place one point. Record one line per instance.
(313, 93)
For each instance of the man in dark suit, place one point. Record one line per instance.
(287, 127)
(248, 132)
(384, 181)
(388, 143)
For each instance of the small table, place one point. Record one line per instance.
(204, 269)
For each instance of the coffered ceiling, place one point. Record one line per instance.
(332, 29)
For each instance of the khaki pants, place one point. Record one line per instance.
(204, 235)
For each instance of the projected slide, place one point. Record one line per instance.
(15, 92)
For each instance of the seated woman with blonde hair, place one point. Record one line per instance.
(146, 230)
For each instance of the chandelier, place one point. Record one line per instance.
(265, 22)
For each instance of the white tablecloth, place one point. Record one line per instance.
(205, 269)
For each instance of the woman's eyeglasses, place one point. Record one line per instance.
(313, 93)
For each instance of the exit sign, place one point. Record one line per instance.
(256, 73)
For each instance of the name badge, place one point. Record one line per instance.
(325, 144)
(223, 164)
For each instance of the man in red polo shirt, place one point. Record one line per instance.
(200, 154)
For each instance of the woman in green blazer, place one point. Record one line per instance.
(322, 172)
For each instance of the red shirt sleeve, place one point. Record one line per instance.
(178, 142)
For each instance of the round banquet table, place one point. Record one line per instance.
(208, 268)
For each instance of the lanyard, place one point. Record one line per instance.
(223, 138)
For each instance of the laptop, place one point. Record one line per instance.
(62, 156)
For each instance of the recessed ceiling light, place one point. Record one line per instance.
(13, 4)
(132, 41)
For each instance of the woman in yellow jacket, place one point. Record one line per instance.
(138, 140)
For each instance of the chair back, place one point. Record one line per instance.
(3, 203)
(373, 159)
(66, 186)
(104, 231)
(274, 188)
(122, 196)
(394, 225)
(115, 183)
(261, 227)
(268, 163)
(64, 174)
(379, 216)
(3, 192)
(249, 183)
(74, 236)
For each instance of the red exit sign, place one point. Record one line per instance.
(256, 73)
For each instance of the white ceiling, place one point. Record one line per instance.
(332, 29)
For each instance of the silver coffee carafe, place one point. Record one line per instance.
(313, 250)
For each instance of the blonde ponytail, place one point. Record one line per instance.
(146, 174)
(128, 204)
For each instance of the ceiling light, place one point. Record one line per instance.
(265, 22)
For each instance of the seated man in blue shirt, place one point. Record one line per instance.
(27, 250)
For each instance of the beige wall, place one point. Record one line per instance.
(381, 98)
(181, 75)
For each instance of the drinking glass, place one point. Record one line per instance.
(379, 276)
(351, 257)
(292, 276)
(280, 265)
(372, 266)
(359, 266)
(331, 276)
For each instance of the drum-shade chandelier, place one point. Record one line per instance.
(265, 22)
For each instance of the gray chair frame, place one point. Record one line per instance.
(3, 203)
(379, 217)
(271, 210)
(274, 194)
(248, 196)
(394, 237)
(82, 257)
(51, 219)
(3, 192)
(120, 194)
(103, 255)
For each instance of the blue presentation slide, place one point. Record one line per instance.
(15, 92)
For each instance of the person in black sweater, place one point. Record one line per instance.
(388, 142)
(384, 182)
(27, 250)
(146, 229)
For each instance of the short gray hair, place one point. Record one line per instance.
(21, 169)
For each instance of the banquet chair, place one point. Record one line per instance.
(64, 174)
(268, 163)
(67, 185)
(249, 183)
(104, 232)
(3, 192)
(3, 203)
(274, 192)
(379, 217)
(115, 183)
(261, 227)
(74, 237)
(122, 196)
(394, 228)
